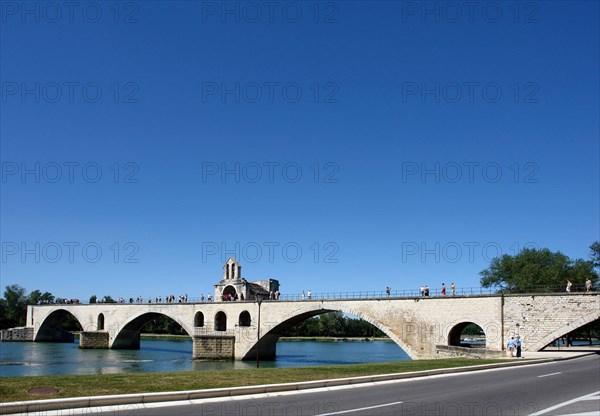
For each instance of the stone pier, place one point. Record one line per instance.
(94, 340)
(213, 347)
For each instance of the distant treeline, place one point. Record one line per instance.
(334, 324)
(163, 325)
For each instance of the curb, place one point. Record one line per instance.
(143, 398)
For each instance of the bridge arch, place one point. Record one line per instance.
(456, 331)
(100, 325)
(562, 331)
(272, 333)
(128, 337)
(50, 329)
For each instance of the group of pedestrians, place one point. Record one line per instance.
(159, 299)
(304, 295)
(588, 285)
(425, 289)
(514, 347)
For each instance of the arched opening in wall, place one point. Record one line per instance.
(587, 335)
(335, 337)
(199, 320)
(229, 293)
(152, 325)
(467, 334)
(100, 325)
(59, 327)
(220, 321)
(245, 319)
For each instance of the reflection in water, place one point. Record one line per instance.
(162, 355)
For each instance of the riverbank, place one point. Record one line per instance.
(18, 388)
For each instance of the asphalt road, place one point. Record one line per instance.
(572, 386)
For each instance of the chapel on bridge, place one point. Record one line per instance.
(234, 287)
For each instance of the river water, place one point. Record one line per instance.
(40, 358)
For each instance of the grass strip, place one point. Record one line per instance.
(16, 388)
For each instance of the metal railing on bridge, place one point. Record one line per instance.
(369, 294)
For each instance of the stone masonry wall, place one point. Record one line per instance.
(444, 351)
(539, 319)
(213, 348)
(93, 340)
(17, 334)
(417, 325)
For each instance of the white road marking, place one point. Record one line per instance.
(551, 374)
(360, 409)
(590, 396)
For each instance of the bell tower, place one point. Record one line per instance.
(232, 270)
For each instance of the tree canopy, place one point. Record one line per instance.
(595, 252)
(538, 270)
(13, 306)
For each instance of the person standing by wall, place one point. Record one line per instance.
(518, 346)
(511, 347)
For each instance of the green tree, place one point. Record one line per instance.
(331, 324)
(163, 325)
(4, 321)
(14, 307)
(108, 299)
(595, 251)
(37, 297)
(534, 270)
(334, 324)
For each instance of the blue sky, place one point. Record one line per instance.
(336, 146)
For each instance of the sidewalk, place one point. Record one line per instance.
(562, 352)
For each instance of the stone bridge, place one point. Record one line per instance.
(418, 325)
